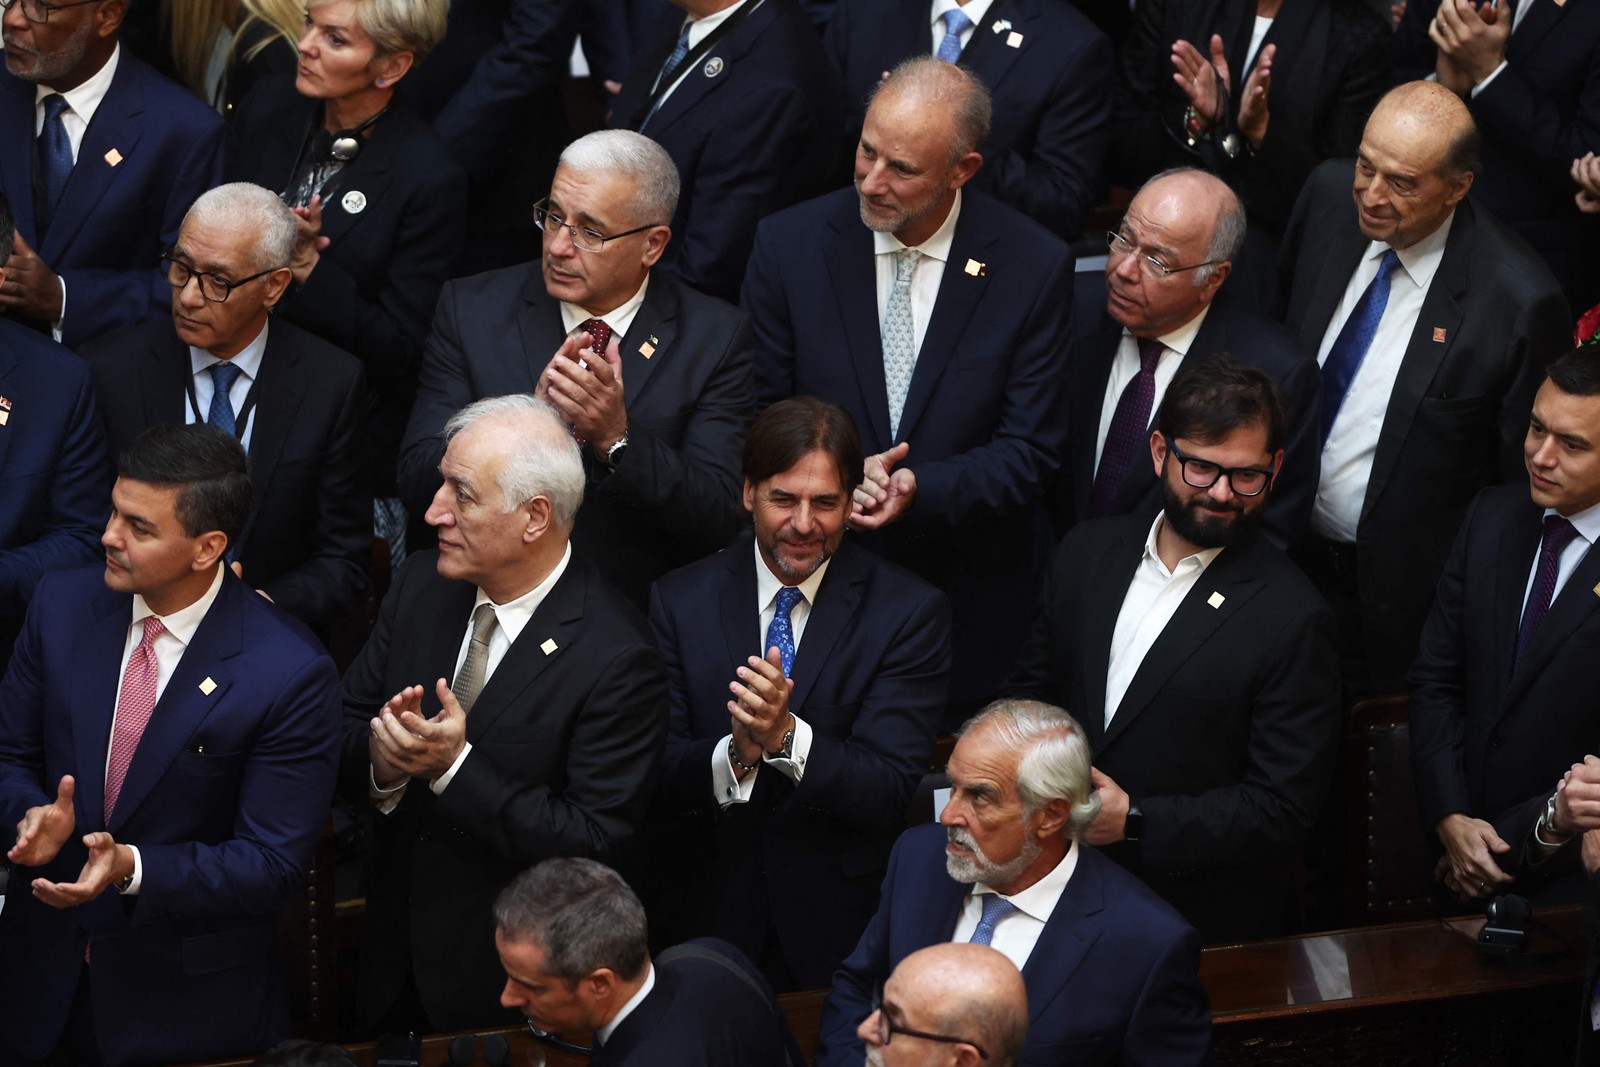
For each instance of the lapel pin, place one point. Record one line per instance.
(1597, 589)
(5, 417)
(1215, 600)
(1001, 25)
(5, 411)
(113, 157)
(713, 67)
(549, 645)
(1439, 334)
(976, 269)
(1014, 40)
(354, 202)
(647, 349)
(208, 686)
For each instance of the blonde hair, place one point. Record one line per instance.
(415, 26)
(191, 28)
(285, 18)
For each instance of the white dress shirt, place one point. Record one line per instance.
(1175, 345)
(248, 360)
(1347, 457)
(1587, 523)
(973, 9)
(699, 30)
(1017, 933)
(619, 318)
(1152, 598)
(925, 276)
(725, 784)
(169, 648)
(1258, 33)
(602, 1035)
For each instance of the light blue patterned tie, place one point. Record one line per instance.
(780, 634)
(55, 156)
(955, 24)
(899, 338)
(223, 375)
(995, 909)
(1355, 337)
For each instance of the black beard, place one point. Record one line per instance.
(1202, 526)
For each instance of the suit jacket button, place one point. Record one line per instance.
(1496, 741)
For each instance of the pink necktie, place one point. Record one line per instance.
(134, 705)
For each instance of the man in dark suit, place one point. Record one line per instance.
(938, 318)
(1046, 66)
(187, 732)
(1110, 968)
(571, 939)
(1163, 298)
(545, 742)
(777, 808)
(1433, 323)
(742, 95)
(1502, 699)
(53, 464)
(1209, 777)
(296, 403)
(653, 377)
(970, 992)
(100, 157)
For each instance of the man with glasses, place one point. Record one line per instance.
(952, 1005)
(1203, 663)
(296, 403)
(100, 157)
(652, 377)
(1163, 298)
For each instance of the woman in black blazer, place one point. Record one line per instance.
(379, 203)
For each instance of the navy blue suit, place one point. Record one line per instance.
(150, 151)
(54, 470)
(1052, 94)
(984, 414)
(225, 799)
(753, 129)
(869, 678)
(1112, 980)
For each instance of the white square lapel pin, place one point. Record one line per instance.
(1215, 600)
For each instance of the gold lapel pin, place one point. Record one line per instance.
(647, 350)
(1439, 334)
(976, 269)
(113, 157)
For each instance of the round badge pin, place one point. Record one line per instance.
(354, 202)
(713, 66)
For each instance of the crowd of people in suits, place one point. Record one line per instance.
(706, 469)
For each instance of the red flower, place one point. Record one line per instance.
(1588, 327)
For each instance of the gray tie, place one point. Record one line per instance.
(899, 338)
(469, 682)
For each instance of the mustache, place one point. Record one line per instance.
(958, 836)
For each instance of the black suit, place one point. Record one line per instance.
(1227, 734)
(1459, 409)
(309, 536)
(803, 861)
(1051, 90)
(1230, 327)
(566, 738)
(1490, 739)
(674, 495)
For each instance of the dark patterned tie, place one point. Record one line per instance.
(1558, 533)
(55, 159)
(1355, 337)
(469, 682)
(223, 375)
(599, 332)
(1130, 427)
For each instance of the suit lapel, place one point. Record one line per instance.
(852, 266)
(987, 53)
(1345, 245)
(959, 294)
(542, 331)
(279, 387)
(112, 137)
(648, 343)
(1519, 542)
(1072, 930)
(708, 75)
(1572, 607)
(93, 699)
(1105, 589)
(838, 597)
(17, 117)
(1542, 17)
(365, 180)
(737, 601)
(554, 626)
(1094, 356)
(163, 378)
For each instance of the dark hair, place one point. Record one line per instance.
(581, 914)
(8, 230)
(1577, 373)
(208, 468)
(1210, 398)
(787, 431)
(297, 1053)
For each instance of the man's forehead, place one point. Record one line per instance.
(980, 755)
(595, 193)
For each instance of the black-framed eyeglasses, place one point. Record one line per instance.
(39, 10)
(1203, 474)
(547, 1038)
(887, 1028)
(1152, 267)
(582, 236)
(214, 287)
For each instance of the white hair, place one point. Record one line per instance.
(635, 156)
(238, 205)
(542, 460)
(1054, 761)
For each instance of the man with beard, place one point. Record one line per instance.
(1203, 661)
(1110, 969)
(777, 808)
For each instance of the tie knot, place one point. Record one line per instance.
(1558, 532)
(1150, 351)
(483, 621)
(1388, 263)
(995, 908)
(905, 261)
(956, 21)
(788, 597)
(599, 333)
(153, 628)
(54, 105)
(224, 374)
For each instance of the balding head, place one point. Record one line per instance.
(968, 993)
(1191, 223)
(1415, 163)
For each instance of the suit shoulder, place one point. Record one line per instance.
(328, 360)
(1503, 255)
(702, 310)
(605, 607)
(1087, 540)
(492, 288)
(75, 589)
(39, 360)
(891, 583)
(836, 209)
(268, 626)
(1141, 915)
(171, 105)
(1017, 231)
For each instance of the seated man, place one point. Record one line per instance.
(777, 809)
(296, 403)
(571, 937)
(1110, 968)
(168, 747)
(967, 1001)
(1209, 778)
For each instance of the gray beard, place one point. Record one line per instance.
(980, 868)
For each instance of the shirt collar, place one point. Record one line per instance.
(1586, 522)
(974, 9)
(700, 29)
(1039, 900)
(602, 1035)
(767, 583)
(620, 318)
(1422, 259)
(185, 621)
(513, 615)
(85, 99)
(1180, 339)
(937, 246)
(247, 359)
(1199, 560)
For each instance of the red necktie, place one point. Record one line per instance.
(134, 705)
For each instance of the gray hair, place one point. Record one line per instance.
(542, 460)
(415, 26)
(1054, 764)
(635, 156)
(949, 88)
(1227, 229)
(581, 914)
(237, 205)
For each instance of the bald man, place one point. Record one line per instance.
(952, 1005)
(1432, 322)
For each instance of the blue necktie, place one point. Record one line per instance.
(995, 908)
(780, 634)
(669, 71)
(223, 375)
(1558, 533)
(55, 157)
(955, 24)
(1350, 347)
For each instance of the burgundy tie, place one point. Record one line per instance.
(134, 705)
(1130, 428)
(1558, 532)
(599, 331)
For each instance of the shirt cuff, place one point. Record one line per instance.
(725, 784)
(138, 873)
(55, 327)
(385, 800)
(794, 766)
(438, 784)
(1493, 74)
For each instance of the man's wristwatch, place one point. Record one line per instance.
(786, 749)
(1545, 830)
(1133, 825)
(614, 453)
